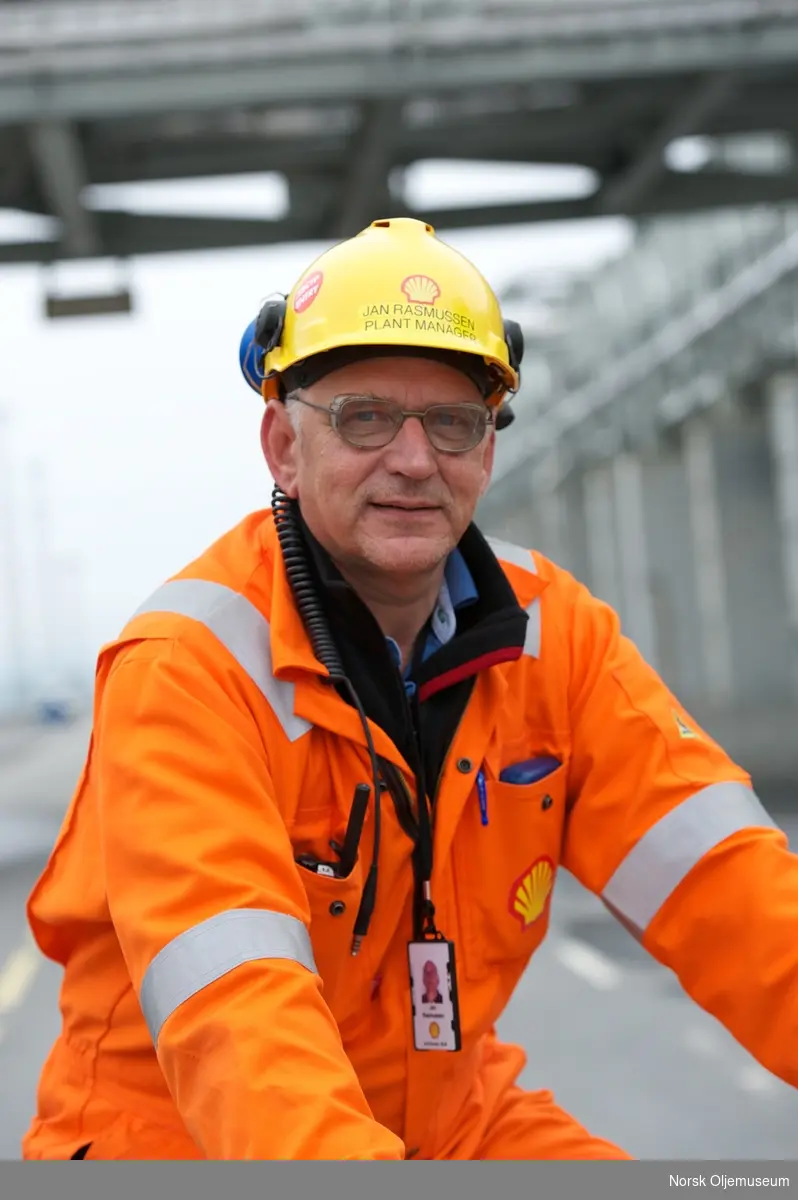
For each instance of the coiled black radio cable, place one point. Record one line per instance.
(308, 603)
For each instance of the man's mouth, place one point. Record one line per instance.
(400, 506)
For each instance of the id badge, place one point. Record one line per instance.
(433, 991)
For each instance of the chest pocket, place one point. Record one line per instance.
(333, 904)
(506, 870)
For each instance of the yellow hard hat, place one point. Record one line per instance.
(394, 288)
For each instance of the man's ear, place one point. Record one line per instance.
(278, 441)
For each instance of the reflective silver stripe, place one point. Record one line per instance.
(241, 629)
(511, 553)
(519, 557)
(667, 853)
(211, 950)
(532, 638)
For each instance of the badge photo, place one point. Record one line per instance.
(433, 984)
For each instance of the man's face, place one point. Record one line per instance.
(399, 509)
(430, 977)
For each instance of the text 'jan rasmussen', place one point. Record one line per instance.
(729, 1181)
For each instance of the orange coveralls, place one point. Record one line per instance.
(211, 1008)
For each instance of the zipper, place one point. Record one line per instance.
(400, 794)
(446, 758)
(395, 782)
(394, 779)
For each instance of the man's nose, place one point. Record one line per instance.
(411, 450)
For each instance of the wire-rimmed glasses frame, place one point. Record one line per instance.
(475, 419)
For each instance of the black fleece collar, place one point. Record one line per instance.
(491, 630)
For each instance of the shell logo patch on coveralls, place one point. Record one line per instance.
(530, 893)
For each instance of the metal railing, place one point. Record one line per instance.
(25, 22)
(32, 27)
(716, 315)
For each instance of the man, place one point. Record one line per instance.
(354, 727)
(432, 983)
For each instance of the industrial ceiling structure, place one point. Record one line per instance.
(342, 98)
(681, 115)
(698, 310)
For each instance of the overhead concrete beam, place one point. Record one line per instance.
(126, 234)
(259, 74)
(58, 160)
(625, 191)
(365, 183)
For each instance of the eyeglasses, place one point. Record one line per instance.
(370, 423)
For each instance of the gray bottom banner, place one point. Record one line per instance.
(350, 1181)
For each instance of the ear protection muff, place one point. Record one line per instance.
(514, 339)
(269, 323)
(504, 417)
(259, 338)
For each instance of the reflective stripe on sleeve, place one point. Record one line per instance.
(211, 950)
(667, 853)
(243, 631)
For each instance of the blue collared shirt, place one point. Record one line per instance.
(457, 591)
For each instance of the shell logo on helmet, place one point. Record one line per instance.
(530, 893)
(420, 289)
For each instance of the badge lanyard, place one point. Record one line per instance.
(431, 957)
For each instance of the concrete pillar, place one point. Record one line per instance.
(762, 642)
(553, 525)
(708, 556)
(507, 510)
(552, 514)
(578, 560)
(782, 415)
(672, 570)
(523, 526)
(636, 609)
(602, 551)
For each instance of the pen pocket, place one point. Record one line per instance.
(505, 870)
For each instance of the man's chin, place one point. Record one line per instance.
(405, 554)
